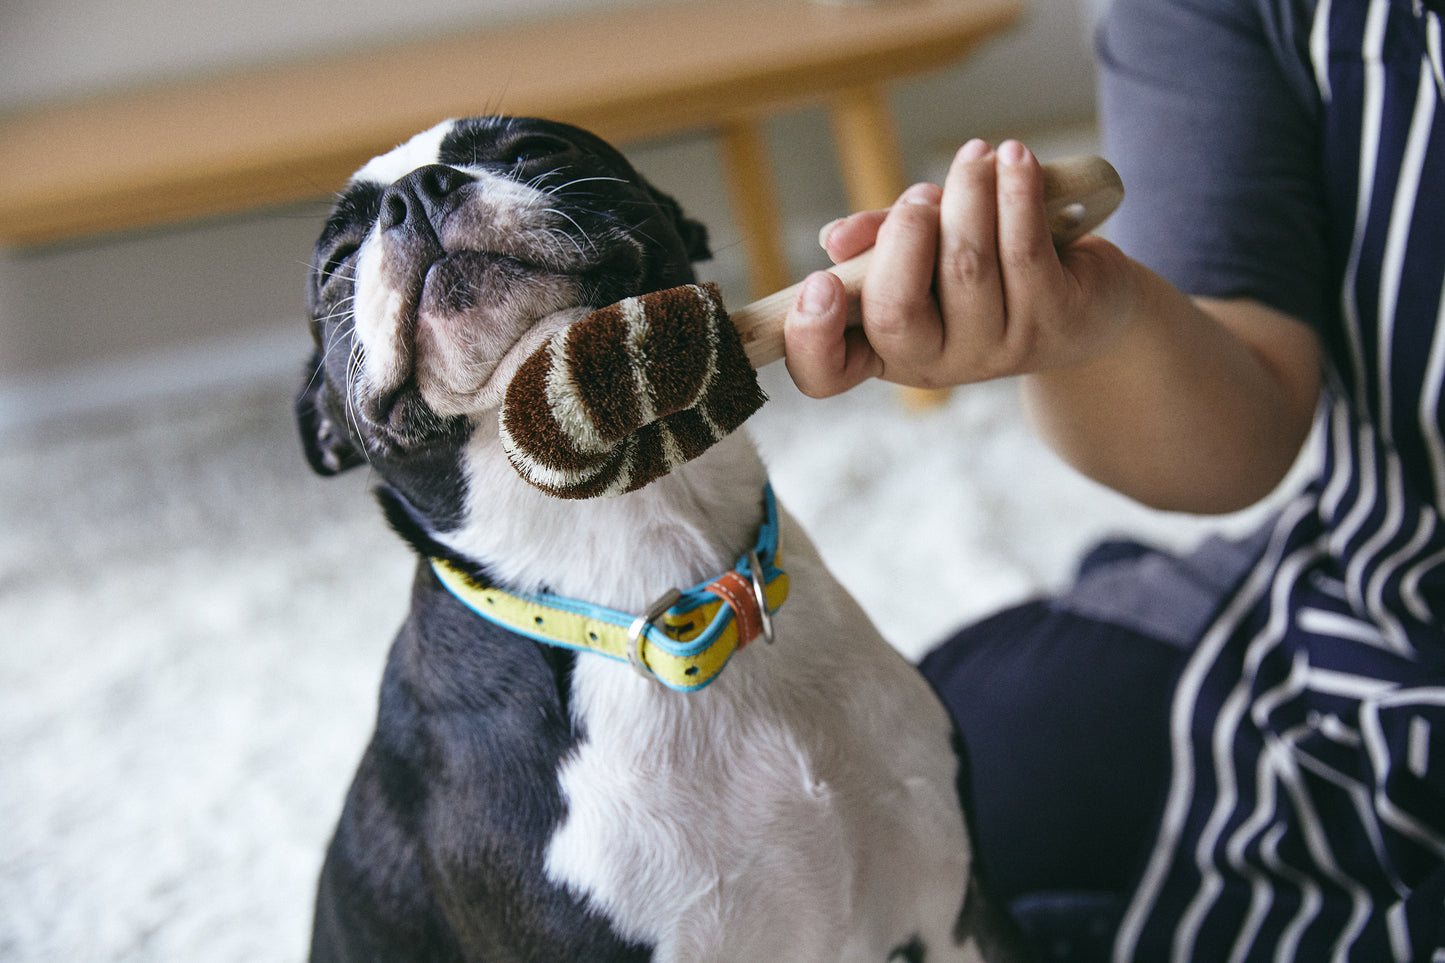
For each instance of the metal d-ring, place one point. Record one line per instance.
(639, 626)
(760, 593)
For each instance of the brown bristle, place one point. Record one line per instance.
(628, 393)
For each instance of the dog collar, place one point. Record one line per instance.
(684, 638)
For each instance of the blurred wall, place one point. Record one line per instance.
(123, 315)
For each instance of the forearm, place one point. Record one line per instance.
(1197, 406)
(1183, 405)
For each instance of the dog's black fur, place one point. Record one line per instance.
(642, 241)
(440, 848)
(438, 852)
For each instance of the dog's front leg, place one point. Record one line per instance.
(374, 901)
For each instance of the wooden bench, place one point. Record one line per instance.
(261, 137)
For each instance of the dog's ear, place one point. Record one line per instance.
(328, 446)
(693, 233)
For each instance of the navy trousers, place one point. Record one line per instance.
(1065, 720)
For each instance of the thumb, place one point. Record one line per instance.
(824, 356)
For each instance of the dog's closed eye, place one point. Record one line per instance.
(534, 147)
(334, 264)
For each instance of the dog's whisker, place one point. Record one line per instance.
(573, 221)
(336, 340)
(569, 185)
(343, 329)
(561, 236)
(316, 374)
(405, 355)
(353, 415)
(536, 182)
(339, 309)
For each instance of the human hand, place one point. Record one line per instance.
(965, 285)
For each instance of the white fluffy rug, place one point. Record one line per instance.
(187, 678)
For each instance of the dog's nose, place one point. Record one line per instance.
(422, 197)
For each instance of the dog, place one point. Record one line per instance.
(526, 801)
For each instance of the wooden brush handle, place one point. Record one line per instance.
(1079, 193)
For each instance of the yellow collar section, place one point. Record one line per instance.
(683, 641)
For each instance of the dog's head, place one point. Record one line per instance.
(446, 261)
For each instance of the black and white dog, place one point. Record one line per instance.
(527, 801)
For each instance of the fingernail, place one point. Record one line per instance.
(919, 194)
(816, 295)
(1012, 152)
(827, 230)
(975, 149)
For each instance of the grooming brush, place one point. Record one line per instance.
(633, 390)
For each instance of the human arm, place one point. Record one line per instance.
(1211, 116)
(1202, 407)
(1182, 404)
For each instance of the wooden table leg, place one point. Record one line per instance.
(873, 173)
(867, 145)
(755, 204)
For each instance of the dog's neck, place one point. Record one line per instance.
(620, 552)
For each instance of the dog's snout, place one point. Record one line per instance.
(422, 197)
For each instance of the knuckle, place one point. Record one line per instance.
(1025, 251)
(902, 329)
(967, 266)
(907, 222)
(889, 319)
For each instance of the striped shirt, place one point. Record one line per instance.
(1303, 144)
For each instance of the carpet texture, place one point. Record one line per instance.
(187, 678)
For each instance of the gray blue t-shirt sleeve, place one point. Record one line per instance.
(1210, 113)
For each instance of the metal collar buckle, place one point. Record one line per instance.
(760, 595)
(655, 611)
(639, 626)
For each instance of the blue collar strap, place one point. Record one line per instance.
(682, 641)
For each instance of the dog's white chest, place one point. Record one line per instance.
(803, 807)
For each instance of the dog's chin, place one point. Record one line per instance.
(473, 310)
(449, 347)
(446, 395)
(457, 380)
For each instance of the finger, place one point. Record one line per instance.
(900, 314)
(1029, 263)
(850, 236)
(824, 357)
(970, 289)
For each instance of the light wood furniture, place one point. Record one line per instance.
(245, 140)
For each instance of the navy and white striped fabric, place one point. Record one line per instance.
(1306, 813)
